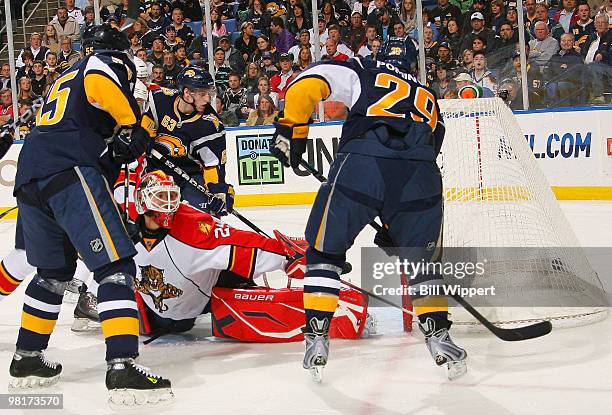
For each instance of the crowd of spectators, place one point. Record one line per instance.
(260, 47)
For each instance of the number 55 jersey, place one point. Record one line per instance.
(80, 112)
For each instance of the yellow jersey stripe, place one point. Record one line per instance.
(300, 100)
(103, 92)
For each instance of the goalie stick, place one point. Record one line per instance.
(176, 169)
(510, 334)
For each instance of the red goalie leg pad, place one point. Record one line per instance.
(258, 314)
(350, 316)
(143, 319)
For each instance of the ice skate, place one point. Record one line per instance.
(73, 290)
(131, 385)
(86, 318)
(31, 370)
(443, 350)
(317, 349)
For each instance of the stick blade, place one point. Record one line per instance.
(523, 333)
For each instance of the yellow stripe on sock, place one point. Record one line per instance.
(37, 324)
(120, 326)
(320, 302)
(430, 305)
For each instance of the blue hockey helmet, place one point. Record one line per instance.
(193, 77)
(104, 37)
(400, 52)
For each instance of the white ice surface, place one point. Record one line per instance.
(566, 372)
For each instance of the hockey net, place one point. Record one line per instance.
(496, 196)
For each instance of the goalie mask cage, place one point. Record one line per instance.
(496, 196)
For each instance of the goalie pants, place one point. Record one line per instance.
(69, 212)
(405, 194)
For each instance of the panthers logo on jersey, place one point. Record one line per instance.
(152, 283)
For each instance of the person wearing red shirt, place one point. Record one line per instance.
(331, 48)
(280, 81)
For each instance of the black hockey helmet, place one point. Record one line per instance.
(193, 77)
(400, 52)
(104, 37)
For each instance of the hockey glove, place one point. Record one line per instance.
(6, 140)
(285, 148)
(222, 201)
(130, 144)
(384, 241)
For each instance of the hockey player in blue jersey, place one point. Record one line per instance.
(189, 132)
(88, 126)
(385, 167)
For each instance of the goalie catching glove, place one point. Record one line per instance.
(130, 143)
(221, 202)
(287, 149)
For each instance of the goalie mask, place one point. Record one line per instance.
(158, 197)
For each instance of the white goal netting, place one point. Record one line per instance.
(497, 197)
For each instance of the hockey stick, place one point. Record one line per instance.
(126, 190)
(174, 168)
(25, 117)
(133, 12)
(6, 212)
(511, 334)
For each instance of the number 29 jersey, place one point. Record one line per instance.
(378, 94)
(81, 111)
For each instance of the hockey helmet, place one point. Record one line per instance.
(143, 72)
(193, 77)
(400, 52)
(104, 37)
(158, 197)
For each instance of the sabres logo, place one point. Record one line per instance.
(212, 118)
(174, 145)
(204, 227)
(190, 73)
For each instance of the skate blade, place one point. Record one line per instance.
(455, 370)
(31, 382)
(85, 325)
(119, 399)
(316, 372)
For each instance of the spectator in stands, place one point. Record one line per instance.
(218, 27)
(170, 38)
(407, 15)
(478, 29)
(75, 12)
(135, 44)
(376, 44)
(322, 29)
(384, 24)
(399, 30)
(223, 8)
(327, 13)
(38, 51)
(355, 34)
(543, 47)
(303, 42)
(199, 47)
(497, 15)
(157, 75)
(171, 69)
(304, 58)
(467, 59)
(300, 20)
(156, 20)
(584, 26)
(227, 118)
(331, 51)
(334, 34)
(443, 13)
(431, 46)
(511, 93)
(478, 6)
(535, 82)
(221, 70)
(28, 61)
(462, 80)
(259, 16)
(192, 11)
(39, 79)
(264, 45)
(563, 73)
(251, 78)
(25, 89)
(65, 25)
(554, 28)
(595, 53)
(512, 20)
(442, 84)
(530, 13)
(235, 97)
(481, 75)
(6, 105)
(233, 57)
(280, 82)
(89, 20)
(283, 39)
(445, 56)
(51, 64)
(157, 51)
(5, 76)
(452, 36)
(50, 39)
(480, 44)
(263, 88)
(142, 54)
(184, 33)
(366, 48)
(268, 66)
(180, 54)
(265, 112)
(67, 56)
(505, 45)
(567, 16)
(246, 43)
